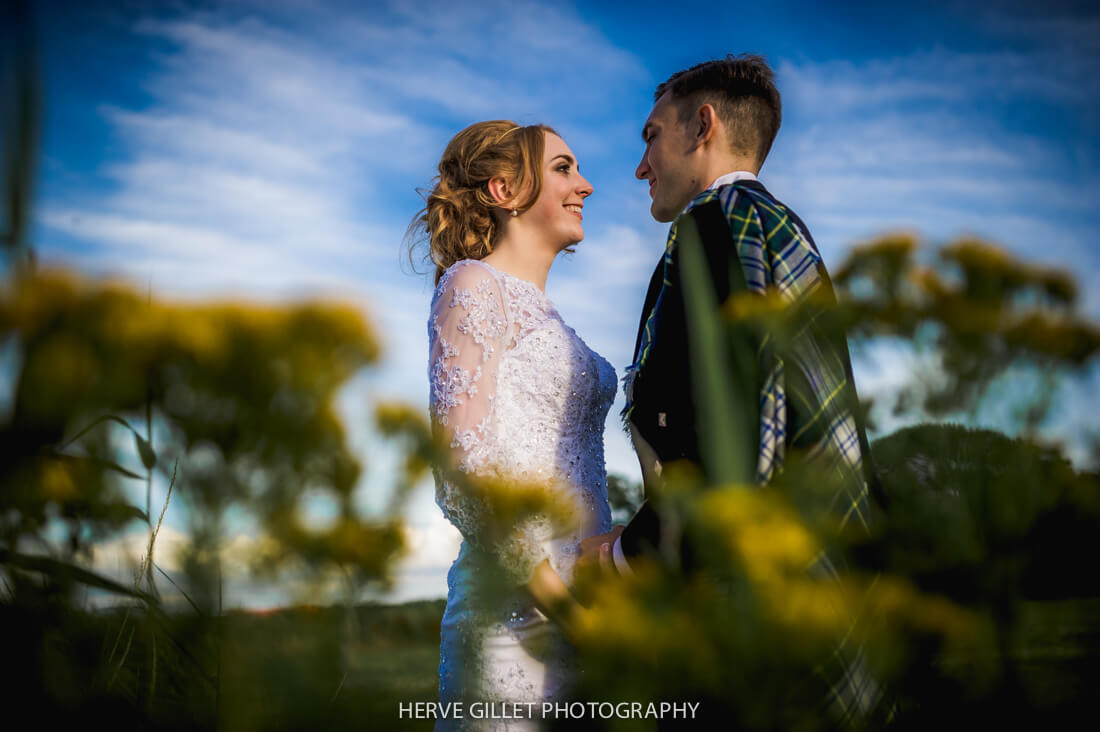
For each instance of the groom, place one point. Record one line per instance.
(706, 138)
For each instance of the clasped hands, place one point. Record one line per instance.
(551, 594)
(596, 551)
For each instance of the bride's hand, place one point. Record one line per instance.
(553, 598)
(593, 552)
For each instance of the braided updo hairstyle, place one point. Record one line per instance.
(457, 220)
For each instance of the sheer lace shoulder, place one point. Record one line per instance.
(467, 328)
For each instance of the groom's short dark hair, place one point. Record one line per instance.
(742, 91)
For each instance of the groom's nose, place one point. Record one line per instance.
(642, 171)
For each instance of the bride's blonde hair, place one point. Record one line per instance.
(457, 219)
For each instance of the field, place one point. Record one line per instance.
(316, 668)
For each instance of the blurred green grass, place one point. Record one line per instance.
(301, 668)
(295, 668)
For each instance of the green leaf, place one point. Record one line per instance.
(123, 511)
(99, 420)
(67, 572)
(180, 590)
(148, 454)
(105, 464)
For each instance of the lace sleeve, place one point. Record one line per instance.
(466, 333)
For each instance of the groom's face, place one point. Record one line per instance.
(668, 162)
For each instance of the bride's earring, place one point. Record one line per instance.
(515, 213)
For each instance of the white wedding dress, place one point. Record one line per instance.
(524, 397)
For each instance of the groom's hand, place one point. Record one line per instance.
(596, 551)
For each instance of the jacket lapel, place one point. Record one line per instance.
(651, 294)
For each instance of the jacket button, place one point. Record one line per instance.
(662, 419)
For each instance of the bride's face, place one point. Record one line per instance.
(558, 211)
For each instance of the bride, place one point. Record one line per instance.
(517, 395)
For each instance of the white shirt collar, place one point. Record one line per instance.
(723, 180)
(730, 178)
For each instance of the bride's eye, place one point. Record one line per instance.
(564, 168)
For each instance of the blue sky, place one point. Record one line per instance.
(273, 150)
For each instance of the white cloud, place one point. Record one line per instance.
(432, 546)
(915, 141)
(936, 76)
(120, 556)
(282, 142)
(267, 161)
(928, 142)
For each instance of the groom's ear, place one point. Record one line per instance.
(704, 125)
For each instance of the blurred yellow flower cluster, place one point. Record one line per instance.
(242, 396)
